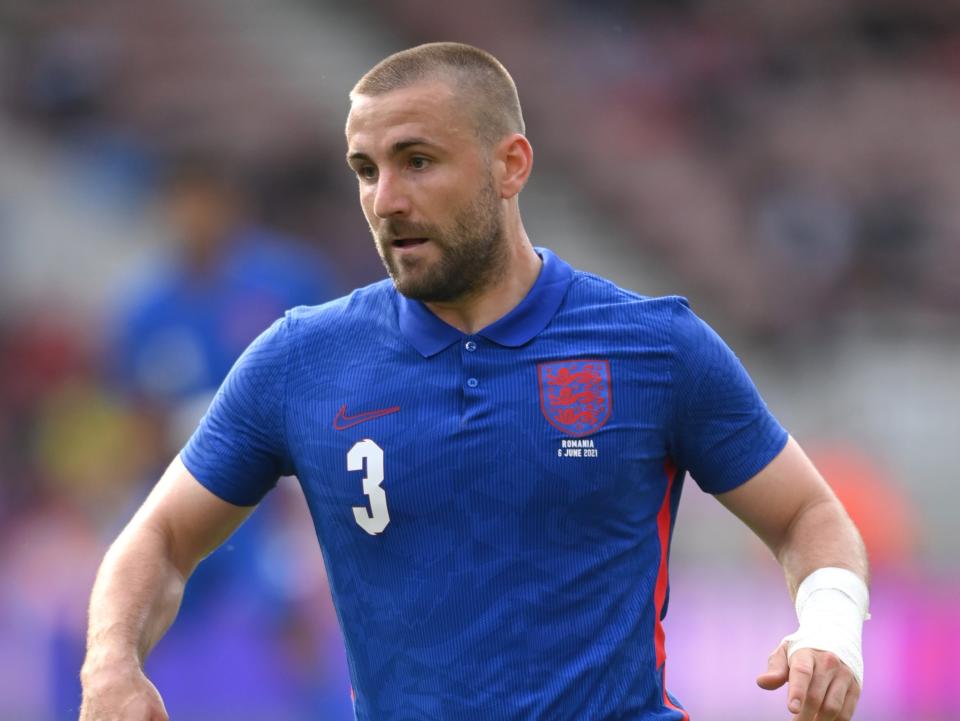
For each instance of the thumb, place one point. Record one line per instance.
(777, 669)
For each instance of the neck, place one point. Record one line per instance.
(488, 305)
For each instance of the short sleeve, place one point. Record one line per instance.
(239, 450)
(722, 431)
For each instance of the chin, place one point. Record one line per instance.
(414, 291)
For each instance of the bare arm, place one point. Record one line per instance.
(139, 588)
(793, 510)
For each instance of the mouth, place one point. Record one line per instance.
(404, 243)
(407, 242)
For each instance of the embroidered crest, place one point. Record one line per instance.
(575, 394)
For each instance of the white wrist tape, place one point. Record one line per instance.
(831, 606)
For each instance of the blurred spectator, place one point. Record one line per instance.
(804, 235)
(180, 327)
(185, 320)
(66, 86)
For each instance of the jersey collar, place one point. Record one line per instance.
(430, 335)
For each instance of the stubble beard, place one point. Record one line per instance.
(473, 253)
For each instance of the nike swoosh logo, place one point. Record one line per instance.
(343, 421)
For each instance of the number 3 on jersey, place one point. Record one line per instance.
(376, 518)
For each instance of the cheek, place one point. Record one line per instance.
(366, 205)
(440, 201)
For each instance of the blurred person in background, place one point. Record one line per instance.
(180, 325)
(223, 280)
(467, 586)
(184, 321)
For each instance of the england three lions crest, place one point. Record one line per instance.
(575, 394)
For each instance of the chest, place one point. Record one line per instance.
(480, 440)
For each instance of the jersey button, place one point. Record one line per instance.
(470, 345)
(473, 382)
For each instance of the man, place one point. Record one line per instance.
(492, 448)
(221, 281)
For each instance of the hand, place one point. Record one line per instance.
(120, 695)
(821, 687)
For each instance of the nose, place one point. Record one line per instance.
(389, 196)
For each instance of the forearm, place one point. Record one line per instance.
(138, 592)
(134, 600)
(790, 506)
(821, 535)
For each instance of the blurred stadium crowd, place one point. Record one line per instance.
(171, 179)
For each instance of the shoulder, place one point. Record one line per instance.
(587, 287)
(364, 310)
(307, 336)
(602, 298)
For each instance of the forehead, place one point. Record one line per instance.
(428, 110)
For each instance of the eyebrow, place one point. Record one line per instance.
(397, 147)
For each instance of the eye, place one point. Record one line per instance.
(366, 171)
(418, 162)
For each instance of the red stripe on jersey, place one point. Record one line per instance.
(660, 592)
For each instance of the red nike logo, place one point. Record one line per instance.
(343, 421)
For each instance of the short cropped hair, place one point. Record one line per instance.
(472, 73)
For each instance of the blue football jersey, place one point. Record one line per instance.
(495, 510)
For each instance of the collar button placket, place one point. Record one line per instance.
(470, 360)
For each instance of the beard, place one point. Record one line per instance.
(473, 252)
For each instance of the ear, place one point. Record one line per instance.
(514, 157)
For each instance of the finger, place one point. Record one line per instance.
(834, 698)
(776, 674)
(850, 702)
(801, 676)
(160, 710)
(825, 667)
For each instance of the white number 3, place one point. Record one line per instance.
(376, 518)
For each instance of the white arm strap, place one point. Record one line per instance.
(832, 604)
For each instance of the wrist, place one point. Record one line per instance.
(102, 659)
(832, 604)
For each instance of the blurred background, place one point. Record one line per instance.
(172, 178)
